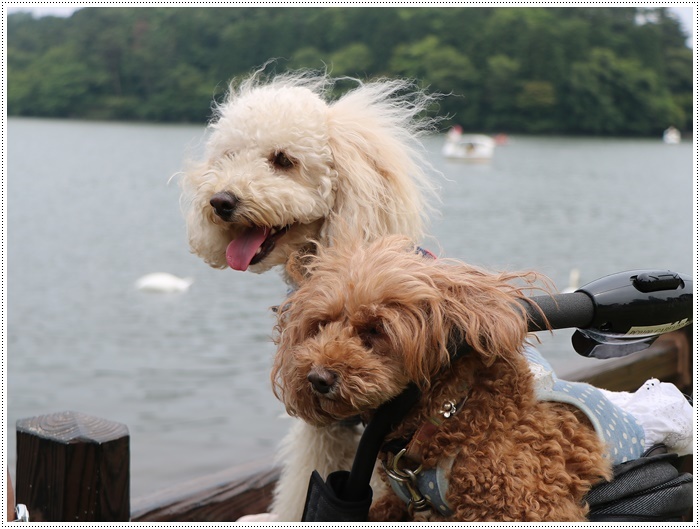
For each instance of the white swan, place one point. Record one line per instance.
(163, 282)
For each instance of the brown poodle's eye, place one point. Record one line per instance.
(316, 327)
(281, 161)
(370, 335)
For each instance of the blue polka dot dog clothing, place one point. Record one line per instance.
(620, 431)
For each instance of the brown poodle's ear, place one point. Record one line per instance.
(483, 309)
(419, 336)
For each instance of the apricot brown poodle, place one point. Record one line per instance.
(482, 445)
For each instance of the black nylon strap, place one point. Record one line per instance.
(324, 504)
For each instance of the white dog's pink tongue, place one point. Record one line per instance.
(241, 251)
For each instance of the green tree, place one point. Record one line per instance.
(307, 57)
(500, 91)
(180, 96)
(444, 68)
(354, 59)
(55, 86)
(593, 70)
(536, 101)
(611, 95)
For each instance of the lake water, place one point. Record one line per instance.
(90, 209)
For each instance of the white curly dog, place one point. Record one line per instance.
(285, 164)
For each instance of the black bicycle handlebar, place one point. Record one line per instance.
(560, 311)
(618, 314)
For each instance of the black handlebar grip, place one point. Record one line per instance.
(561, 311)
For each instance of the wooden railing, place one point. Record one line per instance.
(73, 467)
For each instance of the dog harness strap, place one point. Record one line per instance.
(414, 448)
(420, 488)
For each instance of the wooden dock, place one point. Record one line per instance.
(73, 467)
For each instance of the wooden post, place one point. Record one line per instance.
(73, 467)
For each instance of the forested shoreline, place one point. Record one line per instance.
(566, 70)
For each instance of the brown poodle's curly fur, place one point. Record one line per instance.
(370, 319)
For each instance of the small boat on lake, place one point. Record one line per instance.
(472, 147)
(672, 136)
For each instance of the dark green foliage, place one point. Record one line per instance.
(579, 70)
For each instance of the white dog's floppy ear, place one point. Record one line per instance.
(382, 185)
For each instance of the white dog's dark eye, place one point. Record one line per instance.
(282, 161)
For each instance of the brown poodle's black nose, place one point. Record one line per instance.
(322, 379)
(224, 204)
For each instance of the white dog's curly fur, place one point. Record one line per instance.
(286, 164)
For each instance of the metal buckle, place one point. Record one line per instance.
(408, 478)
(21, 512)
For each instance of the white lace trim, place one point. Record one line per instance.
(664, 413)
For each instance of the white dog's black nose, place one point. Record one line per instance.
(224, 204)
(322, 379)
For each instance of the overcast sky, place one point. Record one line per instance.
(684, 13)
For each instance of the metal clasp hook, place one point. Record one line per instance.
(408, 477)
